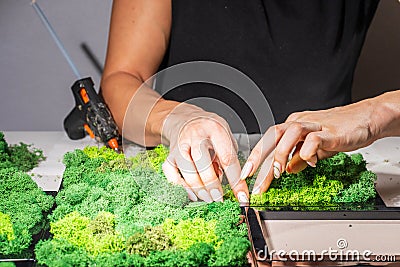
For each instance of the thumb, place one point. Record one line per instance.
(296, 164)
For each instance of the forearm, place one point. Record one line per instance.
(138, 110)
(387, 116)
(138, 39)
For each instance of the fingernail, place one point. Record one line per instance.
(246, 170)
(256, 190)
(204, 195)
(242, 197)
(312, 164)
(216, 194)
(192, 196)
(220, 172)
(277, 169)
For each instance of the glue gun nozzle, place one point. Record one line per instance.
(113, 144)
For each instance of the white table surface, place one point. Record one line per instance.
(383, 158)
(49, 173)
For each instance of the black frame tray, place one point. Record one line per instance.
(375, 210)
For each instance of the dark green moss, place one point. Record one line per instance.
(152, 239)
(22, 201)
(22, 157)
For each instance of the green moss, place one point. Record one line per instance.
(24, 157)
(73, 228)
(148, 212)
(197, 255)
(21, 156)
(103, 152)
(165, 258)
(152, 239)
(361, 191)
(75, 158)
(25, 203)
(157, 157)
(103, 224)
(159, 189)
(97, 236)
(119, 165)
(231, 253)
(186, 233)
(6, 228)
(117, 214)
(340, 179)
(60, 253)
(118, 259)
(123, 193)
(107, 192)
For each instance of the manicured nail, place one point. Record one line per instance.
(220, 173)
(242, 197)
(256, 190)
(246, 170)
(216, 195)
(277, 169)
(204, 195)
(192, 196)
(312, 164)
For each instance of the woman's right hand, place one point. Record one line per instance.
(202, 148)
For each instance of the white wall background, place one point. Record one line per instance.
(35, 80)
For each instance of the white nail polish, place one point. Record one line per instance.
(216, 195)
(242, 197)
(204, 195)
(311, 164)
(277, 165)
(256, 191)
(192, 196)
(277, 173)
(246, 170)
(277, 169)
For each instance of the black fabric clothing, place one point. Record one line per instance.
(301, 53)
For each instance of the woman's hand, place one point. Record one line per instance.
(315, 135)
(201, 149)
(201, 143)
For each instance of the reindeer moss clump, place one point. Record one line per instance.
(22, 157)
(341, 179)
(114, 211)
(23, 205)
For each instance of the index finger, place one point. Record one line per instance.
(265, 176)
(226, 153)
(263, 149)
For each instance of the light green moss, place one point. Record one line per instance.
(6, 227)
(186, 233)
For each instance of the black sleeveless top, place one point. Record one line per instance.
(301, 53)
